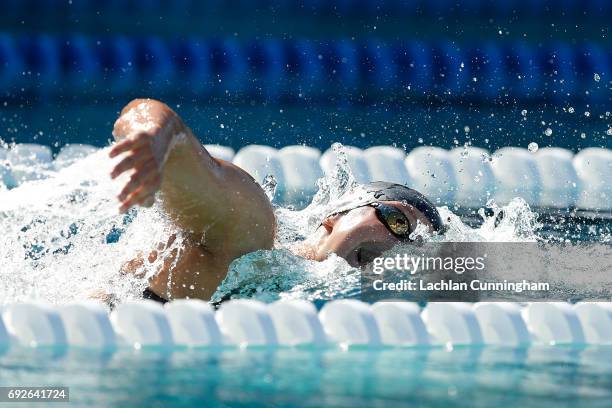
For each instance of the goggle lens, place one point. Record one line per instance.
(394, 219)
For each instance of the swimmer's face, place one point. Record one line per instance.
(359, 235)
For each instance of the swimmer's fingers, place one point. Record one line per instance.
(139, 158)
(132, 142)
(139, 178)
(133, 199)
(142, 195)
(124, 165)
(146, 201)
(122, 147)
(141, 198)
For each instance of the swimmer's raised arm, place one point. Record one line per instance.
(214, 200)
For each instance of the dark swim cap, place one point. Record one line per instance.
(376, 191)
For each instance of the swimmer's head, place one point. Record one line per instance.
(372, 218)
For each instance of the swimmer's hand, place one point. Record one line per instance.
(144, 134)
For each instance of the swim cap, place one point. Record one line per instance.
(376, 191)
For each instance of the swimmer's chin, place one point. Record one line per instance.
(312, 248)
(306, 249)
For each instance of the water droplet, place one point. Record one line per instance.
(596, 77)
(587, 114)
(583, 135)
(269, 186)
(570, 109)
(466, 129)
(524, 112)
(420, 140)
(609, 132)
(533, 147)
(486, 158)
(548, 132)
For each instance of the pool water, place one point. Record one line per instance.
(67, 69)
(428, 377)
(65, 228)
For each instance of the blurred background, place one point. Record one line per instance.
(361, 72)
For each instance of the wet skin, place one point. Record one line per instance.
(357, 235)
(221, 211)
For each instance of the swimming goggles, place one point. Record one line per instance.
(393, 219)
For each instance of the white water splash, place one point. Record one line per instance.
(279, 274)
(297, 225)
(58, 236)
(63, 240)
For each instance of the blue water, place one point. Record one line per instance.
(58, 123)
(432, 377)
(56, 98)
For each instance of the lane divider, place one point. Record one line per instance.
(468, 176)
(294, 69)
(346, 323)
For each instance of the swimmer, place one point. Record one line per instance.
(223, 213)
